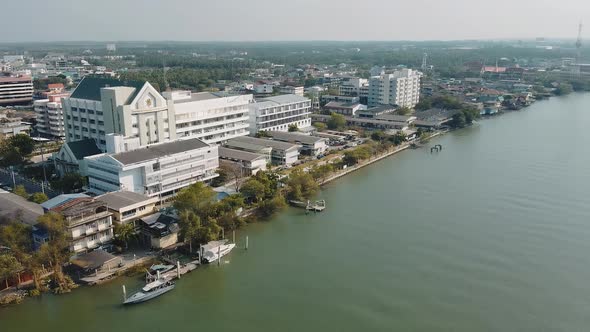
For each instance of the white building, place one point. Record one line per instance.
(50, 116)
(309, 145)
(101, 106)
(354, 86)
(292, 90)
(276, 152)
(12, 126)
(156, 170)
(250, 163)
(401, 88)
(263, 87)
(279, 112)
(89, 222)
(211, 117)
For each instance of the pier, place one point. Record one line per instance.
(317, 206)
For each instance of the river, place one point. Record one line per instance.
(491, 234)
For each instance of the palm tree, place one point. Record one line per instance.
(125, 233)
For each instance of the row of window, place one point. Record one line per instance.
(83, 110)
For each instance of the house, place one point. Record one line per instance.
(249, 162)
(310, 145)
(160, 230)
(344, 108)
(128, 206)
(279, 153)
(70, 157)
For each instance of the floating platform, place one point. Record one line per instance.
(317, 206)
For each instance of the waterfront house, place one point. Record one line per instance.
(128, 206)
(160, 230)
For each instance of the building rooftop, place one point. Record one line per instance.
(82, 207)
(60, 200)
(238, 154)
(120, 199)
(84, 148)
(337, 104)
(89, 87)
(283, 99)
(294, 137)
(259, 143)
(92, 260)
(395, 117)
(159, 150)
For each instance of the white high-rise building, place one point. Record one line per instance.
(279, 112)
(50, 116)
(402, 88)
(211, 117)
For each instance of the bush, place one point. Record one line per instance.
(21, 191)
(38, 198)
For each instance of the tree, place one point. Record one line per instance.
(124, 233)
(404, 110)
(253, 189)
(564, 89)
(458, 120)
(378, 136)
(16, 150)
(424, 104)
(70, 183)
(301, 185)
(269, 207)
(337, 121)
(234, 173)
(190, 225)
(320, 126)
(319, 173)
(293, 128)
(262, 134)
(38, 198)
(21, 191)
(398, 138)
(23, 143)
(198, 198)
(9, 266)
(221, 178)
(55, 251)
(356, 155)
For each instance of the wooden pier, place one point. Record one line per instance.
(317, 206)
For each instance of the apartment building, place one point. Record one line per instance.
(13, 126)
(101, 106)
(354, 86)
(292, 90)
(155, 170)
(50, 116)
(277, 113)
(401, 88)
(89, 223)
(15, 90)
(211, 117)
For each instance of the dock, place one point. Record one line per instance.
(179, 270)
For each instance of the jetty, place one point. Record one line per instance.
(317, 206)
(177, 272)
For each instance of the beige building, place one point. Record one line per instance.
(127, 206)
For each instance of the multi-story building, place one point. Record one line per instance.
(401, 88)
(309, 145)
(279, 112)
(155, 170)
(16, 90)
(354, 86)
(50, 116)
(249, 163)
(211, 117)
(101, 106)
(89, 223)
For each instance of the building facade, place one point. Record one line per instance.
(15, 90)
(279, 112)
(401, 88)
(50, 116)
(210, 117)
(276, 152)
(89, 222)
(156, 170)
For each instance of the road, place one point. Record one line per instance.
(30, 186)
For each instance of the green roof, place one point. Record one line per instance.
(84, 148)
(89, 87)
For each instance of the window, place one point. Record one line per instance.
(82, 110)
(101, 123)
(103, 142)
(90, 111)
(93, 131)
(98, 112)
(84, 120)
(76, 127)
(76, 118)
(141, 208)
(84, 129)
(77, 136)
(69, 126)
(92, 121)
(74, 109)
(68, 117)
(101, 132)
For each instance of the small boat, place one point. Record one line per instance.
(214, 250)
(150, 291)
(162, 268)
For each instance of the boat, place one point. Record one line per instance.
(162, 268)
(150, 291)
(214, 250)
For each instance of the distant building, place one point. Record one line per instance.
(111, 47)
(13, 126)
(350, 109)
(310, 145)
(292, 90)
(355, 86)
(50, 116)
(250, 163)
(277, 113)
(16, 90)
(156, 170)
(279, 153)
(401, 88)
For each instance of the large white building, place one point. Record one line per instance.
(354, 86)
(211, 117)
(277, 113)
(101, 106)
(156, 170)
(401, 88)
(50, 116)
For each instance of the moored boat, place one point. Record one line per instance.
(150, 291)
(214, 250)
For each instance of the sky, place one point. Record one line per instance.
(285, 20)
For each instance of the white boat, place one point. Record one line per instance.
(150, 290)
(214, 250)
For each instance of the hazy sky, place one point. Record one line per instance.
(199, 20)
